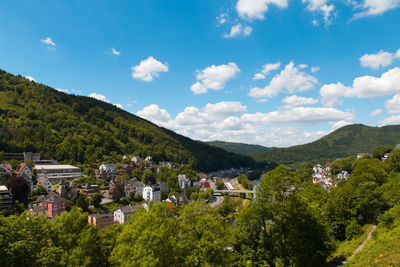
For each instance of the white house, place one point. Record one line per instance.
(46, 184)
(150, 195)
(343, 175)
(136, 159)
(184, 182)
(122, 214)
(149, 160)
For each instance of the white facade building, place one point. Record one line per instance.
(184, 182)
(58, 172)
(150, 195)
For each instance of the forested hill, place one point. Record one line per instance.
(239, 148)
(346, 141)
(70, 128)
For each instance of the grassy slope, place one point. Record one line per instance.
(382, 250)
(35, 117)
(239, 148)
(346, 141)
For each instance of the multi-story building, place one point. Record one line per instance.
(67, 189)
(58, 172)
(122, 214)
(101, 220)
(106, 171)
(5, 197)
(50, 205)
(23, 170)
(149, 194)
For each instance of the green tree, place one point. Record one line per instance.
(96, 200)
(82, 202)
(19, 188)
(220, 185)
(381, 151)
(40, 190)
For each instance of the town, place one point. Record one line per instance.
(114, 192)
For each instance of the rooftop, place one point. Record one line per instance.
(55, 167)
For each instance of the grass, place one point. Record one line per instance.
(345, 249)
(382, 250)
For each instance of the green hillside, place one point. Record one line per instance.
(346, 141)
(239, 148)
(78, 129)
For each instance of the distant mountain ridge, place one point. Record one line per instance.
(79, 129)
(239, 148)
(346, 141)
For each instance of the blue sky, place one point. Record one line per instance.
(269, 72)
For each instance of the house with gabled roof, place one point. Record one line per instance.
(23, 170)
(46, 184)
(122, 214)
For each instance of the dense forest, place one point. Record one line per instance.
(346, 141)
(78, 129)
(239, 148)
(292, 222)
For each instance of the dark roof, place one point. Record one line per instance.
(129, 209)
(97, 216)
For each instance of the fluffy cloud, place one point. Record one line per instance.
(30, 78)
(148, 69)
(255, 9)
(339, 124)
(375, 7)
(98, 97)
(218, 122)
(315, 69)
(238, 30)
(290, 79)
(118, 106)
(363, 87)
(380, 59)
(63, 90)
(155, 114)
(321, 6)
(49, 42)
(225, 108)
(393, 120)
(294, 100)
(300, 115)
(214, 77)
(393, 105)
(376, 112)
(221, 19)
(266, 69)
(115, 52)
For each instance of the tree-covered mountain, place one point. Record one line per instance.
(78, 129)
(239, 148)
(346, 141)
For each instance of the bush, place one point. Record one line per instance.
(353, 230)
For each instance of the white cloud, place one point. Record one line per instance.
(363, 87)
(290, 79)
(315, 69)
(148, 69)
(376, 112)
(98, 97)
(328, 11)
(154, 114)
(393, 120)
(214, 77)
(228, 121)
(375, 7)
(393, 105)
(115, 52)
(225, 108)
(63, 90)
(266, 69)
(339, 124)
(397, 55)
(30, 78)
(119, 106)
(294, 100)
(380, 59)
(300, 115)
(238, 30)
(259, 76)
(49, 42)
(221, 19)
(255, 9)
